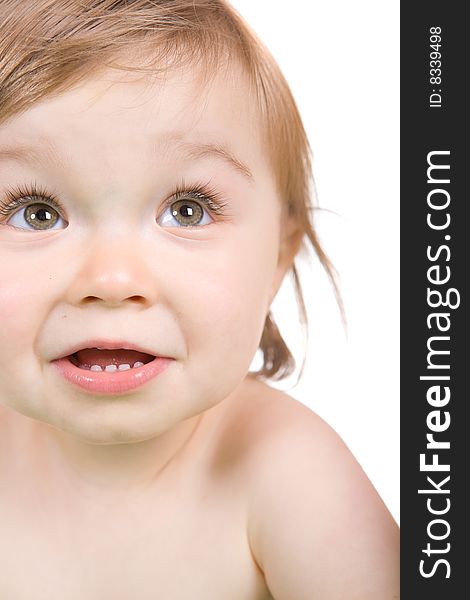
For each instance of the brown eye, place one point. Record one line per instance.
(187, 212)
(190, 208)
(41, 216)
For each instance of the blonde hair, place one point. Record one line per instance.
(47, 46)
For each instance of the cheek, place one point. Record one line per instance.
(16, 301)
(230, 292)
(20, 310)
(23, 299)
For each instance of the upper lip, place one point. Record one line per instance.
(106, 345)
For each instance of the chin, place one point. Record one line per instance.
(103, 424)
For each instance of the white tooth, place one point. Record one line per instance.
(124, 367)
(95, 368)
(111, 368)
(138, 364)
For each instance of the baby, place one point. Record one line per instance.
(155, 190)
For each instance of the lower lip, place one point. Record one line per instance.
(105, 383)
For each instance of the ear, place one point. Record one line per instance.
(291, 240)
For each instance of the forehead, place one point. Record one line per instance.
(117, 111)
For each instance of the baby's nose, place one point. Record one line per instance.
(113, 273)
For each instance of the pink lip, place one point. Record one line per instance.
(118, 382)
(108, 345)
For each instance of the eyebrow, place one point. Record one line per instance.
(47, 152)
(220, 152)
(31, 154)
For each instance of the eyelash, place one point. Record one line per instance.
(202, 193)
(22, 196)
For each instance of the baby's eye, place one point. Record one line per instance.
(186, 213)
(38, 216)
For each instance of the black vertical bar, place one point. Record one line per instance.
(434, 257)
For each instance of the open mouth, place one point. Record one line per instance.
(109, 361)
(110, 371)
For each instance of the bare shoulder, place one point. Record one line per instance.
(316, 525)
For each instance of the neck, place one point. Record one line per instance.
(68, 472)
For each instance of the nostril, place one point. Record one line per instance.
(135, 299)
(90, 299)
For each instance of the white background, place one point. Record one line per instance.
(342, 63)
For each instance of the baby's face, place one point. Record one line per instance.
(165, 240)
